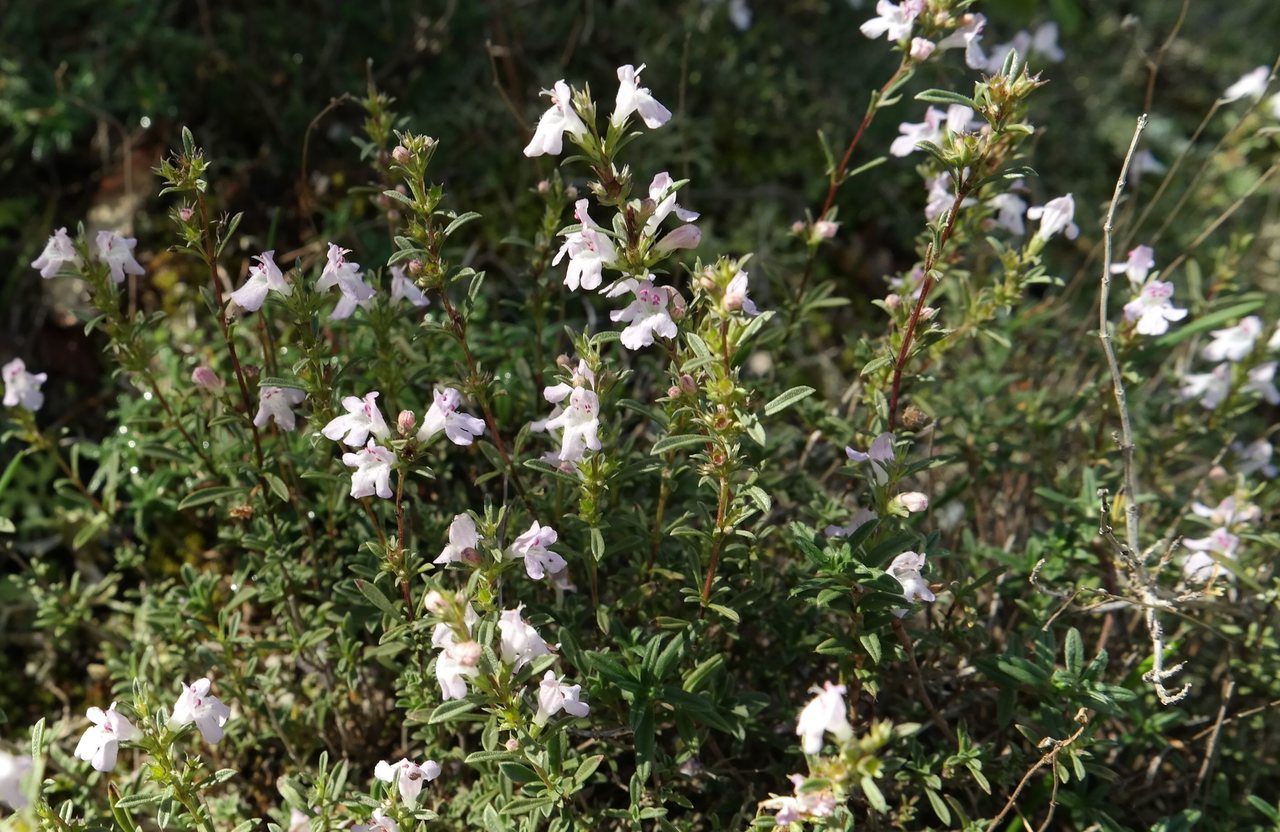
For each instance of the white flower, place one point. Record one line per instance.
(264, 277)
(968, 37)
(407, 775)
(361, 419)
(580, 423)
(403, 288)
(278, 403)
(58, 252)
(686, 236)
(462, 536)
(1044, 42)
(662, 191)
(373, 470)
(935, 127)
(454, 666)
(861, 517)
(340, 272)
(938, 196)
(207, 712)
(554, 696)
(1262, 380)
(299, 821)
(1010, 209)
(101, 742)
(117, 253)
(646, 316)
(1202, 565)
(13, 769)
(1142, 260)
(633, 98)
(521, 643)
(589, 248)
(736, 297)
(893, 20)
(555, 122)
(879, 455)
(740, 15)
(1251, 85)
(1210, 388)
(826, 712)
(1274, 343)
(532, 547)
(1228, 512)
(1056, 215)
(443, 415)
(905, 569)
(1256, 456)
(1153, 309)
(1233, 343)
(22, 388)
(1144, 161)
(378, 823)
(810, 805)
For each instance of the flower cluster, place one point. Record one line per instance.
(109, 248)
(1237, 367)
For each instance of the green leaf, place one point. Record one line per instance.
(449, 711)
(871, 643)
(215, 493)
(946, 97)
(277, 486)
(381, 601)
(1213, 319)
(874, 796)
(1074, 652)
(681, 440)
(787, 399)
(492, 757)
(459, 221)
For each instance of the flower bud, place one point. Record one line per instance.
(471, 556)
(922, 48)
(415, 267)
(563, 361)
(676, 306)
(892, 301)
(825, 229)
(207, 379)
(571, 192)
(401, 154)
(687, 384)
(686, 236)
(673, 392)
(910, 501)
(928, 313)
(405, 422)
(436, 603)
(513, 744)
(913, 418)
(797, 227)
(466, 654)
(544, 187)
(185, 213)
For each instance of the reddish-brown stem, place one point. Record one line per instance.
(211, 260)
(460, 331)
(164, 403)
(908, 335)
(718, 543)
(837, 177)
(404, 558)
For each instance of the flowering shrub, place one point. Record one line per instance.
(638, 531)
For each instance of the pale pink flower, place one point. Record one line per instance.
(22, 388)
(206, 379)
(921, 49)
(646, 316)
(559, 119)
(662, 192)
(880, 456)
(443, 415)
(936, 126)
(195, 704)
(277, 404)
(101, 742)
(589, 248)
(520, 642)
(263, 278)
(1262, 380)
(13, 771)
(531, 547)
(1228, 512)
(1153, 308)
(1010, 209)
(462, 536)
(404, 289)
(969, 38)
(1201, 566)
(454, 666)
(378, 823)
(861, 517)
(1251, 85)
(58, 252)
(361, 419)
(1233, 343)
(893, 20)
(117, 253)
(1056, 215)
(910, 502)
(1142, 260)
(1211, 388)
(633, 98)
(826, 712)
(905, 569)
(554, 696)
(736, 297)
(373, 465)
(407, 775)
(340, 272)
(579, 423)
